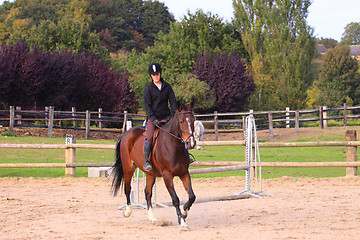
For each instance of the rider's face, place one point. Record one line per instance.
(155, 77)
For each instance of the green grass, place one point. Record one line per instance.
(212, 153)
(48, 156)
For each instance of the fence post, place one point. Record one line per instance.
(351, 153)
(18, 116)
(70, 155)
(12, 119)
(325, 121)
(216, 126)
(73, 111)
(287, 117)
(271, 125)
(47, 110)
(87, 125)
(51, 121)
(297, 120)
(345, 114)
(125, 120)
(100, 115)
(244, 127)
(321, 118)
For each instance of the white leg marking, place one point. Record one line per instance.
(151, 216)
(184, 226)
(127, 211)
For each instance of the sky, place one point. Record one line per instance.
(328, 17)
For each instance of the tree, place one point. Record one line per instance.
(187, 87)
(338, 81)
(328, 42)
(129, 21)
(51, 25)
(227, 77)
(280, 47)
(34, 78)
(177, 50)
(351, 36)
(66, 34)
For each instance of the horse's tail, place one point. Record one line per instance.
(117, 169)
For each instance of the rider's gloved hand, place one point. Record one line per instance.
(159, 123)
(156, 122)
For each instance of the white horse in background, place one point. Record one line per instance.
(199, 133)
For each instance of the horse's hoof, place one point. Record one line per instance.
(184, 226)
(151, 217)
(153, 220)
(127, 212)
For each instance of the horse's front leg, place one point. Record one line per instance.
(127, 190)
(186, 180)
(168, 179)
(150, 180)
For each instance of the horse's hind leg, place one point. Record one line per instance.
(150, 180)
(186, 180)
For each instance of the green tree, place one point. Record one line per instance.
(351, 36)
(40, 10)
(327, 42)
(281, 48)
(51, 25)
(177, 50)
(132, 23)
(338, 81)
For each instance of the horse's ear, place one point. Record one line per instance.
(192, 104)
(179, 105)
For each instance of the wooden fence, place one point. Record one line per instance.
(214, 122)
(70, 147)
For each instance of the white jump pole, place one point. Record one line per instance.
(252, 157)
(250, 138)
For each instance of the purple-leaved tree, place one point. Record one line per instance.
(228, 79)
(32, 78)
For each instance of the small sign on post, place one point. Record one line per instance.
(128, 125)
(70, 155)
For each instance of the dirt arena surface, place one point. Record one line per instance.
(82, 208)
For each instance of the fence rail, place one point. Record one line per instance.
(70, 147)
(214, 122)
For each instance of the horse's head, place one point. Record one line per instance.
(186, 124)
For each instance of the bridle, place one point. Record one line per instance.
(180, 128)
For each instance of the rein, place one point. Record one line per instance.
(173, 135)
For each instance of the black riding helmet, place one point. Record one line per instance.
(154, 68)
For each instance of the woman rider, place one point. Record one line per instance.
(156, 97)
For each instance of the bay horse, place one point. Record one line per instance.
(169, 158)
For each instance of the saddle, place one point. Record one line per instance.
(156, 134)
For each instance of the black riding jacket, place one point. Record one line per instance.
(156, 101)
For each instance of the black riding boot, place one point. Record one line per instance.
(147, 150)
